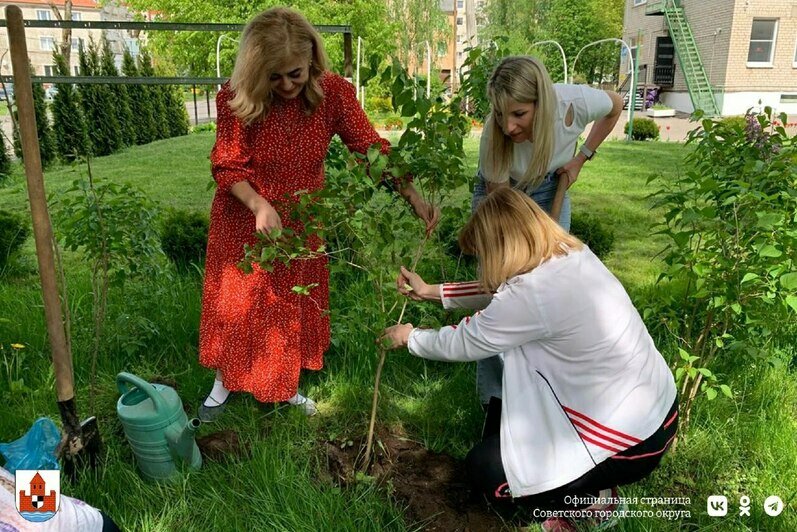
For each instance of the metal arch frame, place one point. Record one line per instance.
(561, 51)
(218, 51)
(632, 97)
(161, 26)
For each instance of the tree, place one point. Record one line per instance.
(97, 102)
(69, 126)
(121, 97)
(66, 33)
(5, 160)
(175, 111)
(156, 97)
(140, 104)
(420, 21)
(43, 128)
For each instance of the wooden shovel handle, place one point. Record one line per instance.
(42, 229)
(558, 199)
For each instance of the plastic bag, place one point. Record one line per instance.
(35, 450)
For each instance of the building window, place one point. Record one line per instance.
(459, 21)
(460, 4)
(76, 70)
(77, 43)
(47, 43)
(43, 14)
(640, 2)
(132, 46)
(49, 70)
(77, 17)
(795, 57)
(762, 42)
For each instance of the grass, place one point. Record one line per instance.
(734, 447)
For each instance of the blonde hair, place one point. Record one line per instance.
(268, 41)
(512, 235)
(525, 80)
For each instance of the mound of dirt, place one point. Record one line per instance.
(221, 446)
(432, 486)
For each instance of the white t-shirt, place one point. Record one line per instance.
(582, 380)
(588, 105)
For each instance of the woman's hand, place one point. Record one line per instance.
(395, 336)
(426, 212)
(411, 285)
(571, 169)
(266, 218)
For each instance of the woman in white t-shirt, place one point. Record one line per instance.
(588, 403)
(529, 142)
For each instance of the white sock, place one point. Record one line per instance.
(218, 394)
(297, 399)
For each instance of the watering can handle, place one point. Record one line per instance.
(124, 379)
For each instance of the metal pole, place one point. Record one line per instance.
(207, 101)
(428, 70)
(561, 51)
(347, 55)
(357, 84)
(632, 99)
(196, 112)
(218, 62)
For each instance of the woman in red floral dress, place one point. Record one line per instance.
(276, 118)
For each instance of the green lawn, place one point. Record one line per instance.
(734, 447)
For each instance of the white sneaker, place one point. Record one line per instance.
(307, 405)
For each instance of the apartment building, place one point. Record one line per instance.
(736, 53)
(43, 41)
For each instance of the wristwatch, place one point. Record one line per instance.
(588, 153)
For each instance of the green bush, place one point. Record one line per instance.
(734, 122)
(13, 232)
(207, 126)
(378, 104)
(5, 160)
(644, 129)
(590, 230)
(394, 122)
(184, 237)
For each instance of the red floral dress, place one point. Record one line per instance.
(253, 328)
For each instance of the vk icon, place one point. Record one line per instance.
(717, 505)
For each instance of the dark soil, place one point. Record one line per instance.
(221, 446)
(431, 486)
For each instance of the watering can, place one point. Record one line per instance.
(156, 426)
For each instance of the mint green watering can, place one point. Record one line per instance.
(156, 427)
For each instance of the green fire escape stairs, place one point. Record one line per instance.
(688, 55)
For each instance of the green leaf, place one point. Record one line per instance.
(705, 372)
(683, 354)
(726, 390)
(770, 251)
(789, 281)
(711, 393)
(749, 277)
(768, 220)
(792, 302)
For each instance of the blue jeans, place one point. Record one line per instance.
(490, 371)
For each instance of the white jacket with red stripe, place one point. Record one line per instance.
(582, 377)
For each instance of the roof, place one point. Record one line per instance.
(90, 4)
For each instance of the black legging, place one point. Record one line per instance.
(486, 470)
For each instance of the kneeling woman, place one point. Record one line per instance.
(588, 402)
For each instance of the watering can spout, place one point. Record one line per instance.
(181, 443)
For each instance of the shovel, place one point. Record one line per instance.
(80, 440)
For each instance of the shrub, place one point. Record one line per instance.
(378, 104)
(207, 126)
(590, 230)
(729, 262)
(734, 122)
(644, 129)
(13, 232)
(184, 237)
(99, 106)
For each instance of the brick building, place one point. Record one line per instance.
(736, 52)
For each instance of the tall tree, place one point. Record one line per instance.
(421, 21)
(156, 97)
(140, 103)
(69, 126)
(66, 33)
(97, 102)
(43, 127)
(121, 97)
